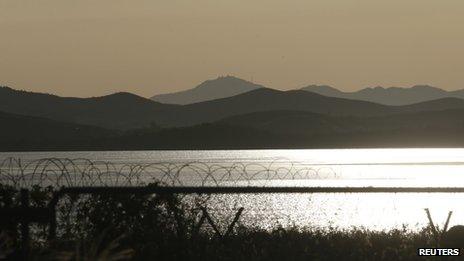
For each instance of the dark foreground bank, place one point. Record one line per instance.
(134, 227)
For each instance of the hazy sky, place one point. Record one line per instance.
(95, 47)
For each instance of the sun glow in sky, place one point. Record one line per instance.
(87, 48)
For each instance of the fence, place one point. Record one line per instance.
(79, 177)
(58, 172)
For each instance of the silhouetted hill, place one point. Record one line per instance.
(259, 130)
(306, 123)
(129, 111)
(433, 105)
(294, 122)
(209, 90)
(266, 100)
(27, 132)
(115, 111)
(296, 129)
(202, 136)
(324, 90)
(295, 100)
(389, 96)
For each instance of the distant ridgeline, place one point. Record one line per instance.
(388, 96)
(240, 115)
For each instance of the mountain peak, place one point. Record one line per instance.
(120, 94)
(121, 97)
(6, 88)
(221, 87)
(225, 82)
(325, 90)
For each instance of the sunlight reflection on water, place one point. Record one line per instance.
(337, 167)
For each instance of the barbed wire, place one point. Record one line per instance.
(66, 172)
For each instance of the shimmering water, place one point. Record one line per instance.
(337, 167)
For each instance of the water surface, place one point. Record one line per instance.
(328, 167)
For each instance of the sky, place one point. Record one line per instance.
(95, 47)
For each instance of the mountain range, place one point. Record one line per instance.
(116, 111)
(125, 111)
(257, 118)
(389, 96)
(228, 86)
(296, 100)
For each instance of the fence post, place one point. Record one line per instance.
(196, 228)
(52, 214)
(25, 223)
(231, 226)
(211, 222)
(213, 225)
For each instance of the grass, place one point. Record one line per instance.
(153, 227)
